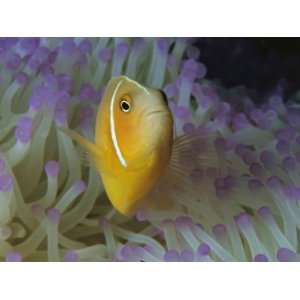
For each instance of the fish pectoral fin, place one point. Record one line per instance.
(91, 155)
(87, 145)
(85, 158)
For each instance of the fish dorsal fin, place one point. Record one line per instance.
(191, 151)
(185, 176)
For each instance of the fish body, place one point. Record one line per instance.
(136, 145)
(134, 148)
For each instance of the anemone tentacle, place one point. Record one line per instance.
(52, 207)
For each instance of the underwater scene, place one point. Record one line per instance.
(149, 150)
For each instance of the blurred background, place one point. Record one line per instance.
(261, 64)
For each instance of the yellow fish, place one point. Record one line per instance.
(134, 142)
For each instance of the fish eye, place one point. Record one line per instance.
(125, 105)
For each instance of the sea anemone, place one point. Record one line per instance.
(54, 208)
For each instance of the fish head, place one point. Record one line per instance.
(135, 120)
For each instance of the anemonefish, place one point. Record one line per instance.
(134, 147)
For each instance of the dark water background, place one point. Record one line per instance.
(260, 64)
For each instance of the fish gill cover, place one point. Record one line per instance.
(54, 208)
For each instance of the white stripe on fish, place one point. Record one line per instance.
(113, 128)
